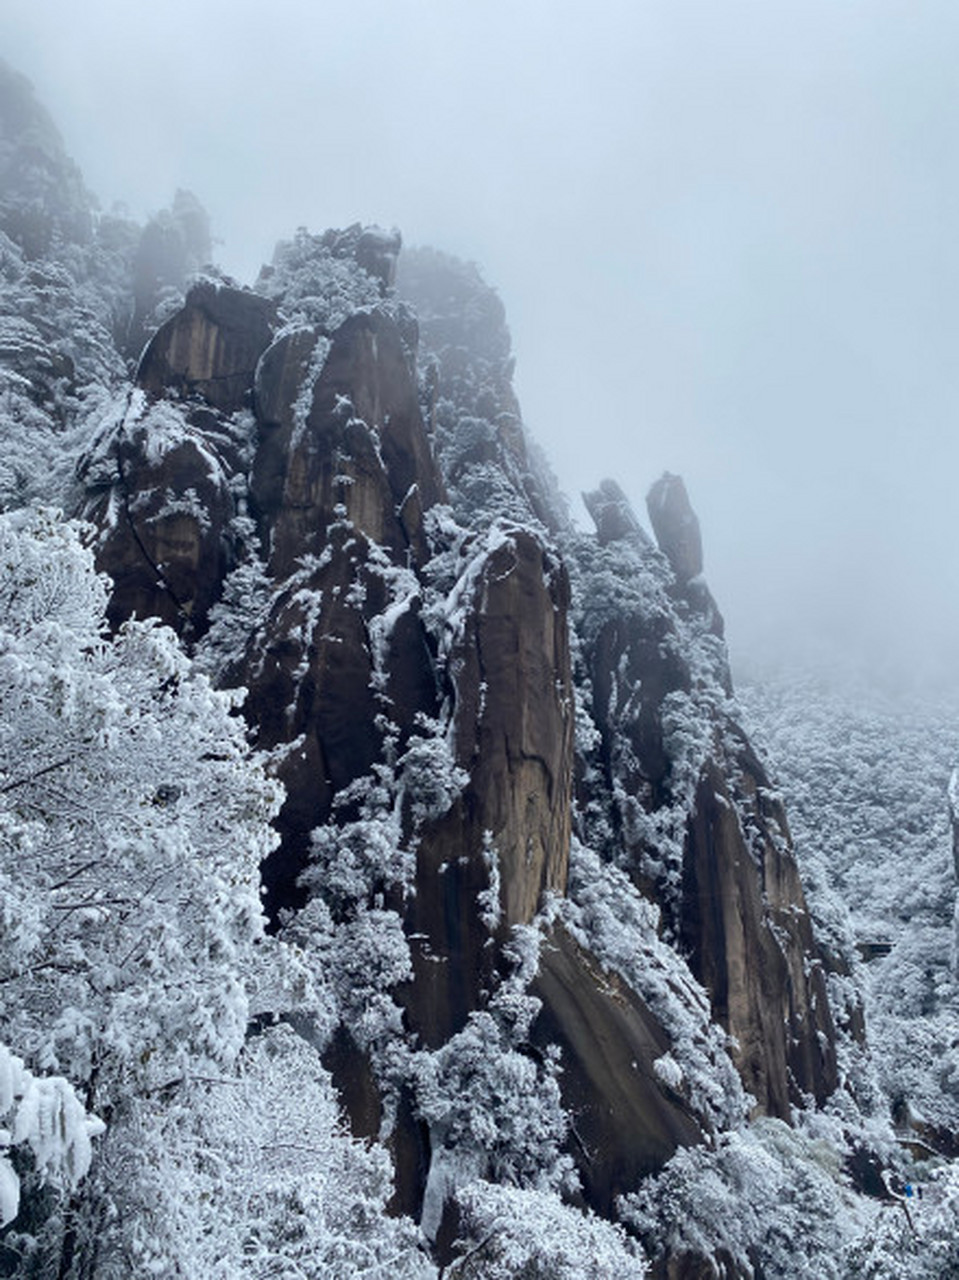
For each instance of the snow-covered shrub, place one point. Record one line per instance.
(351, 861)
(865, 778)
(767, 1197)
(242, 609)
(492, 1103)
(353, 943)
(354, 963)
(430, 778)
(43, 1114)
(132, 826)
(514, 1232)
(132, 822)
(365, 854)
(57, 364)
(615, 581)
(918, 1238)
(624, 602)
(250, 1174)
(467, 396)
(317, 281)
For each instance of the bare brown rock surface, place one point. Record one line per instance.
(162, 496)
(309, 672)
(351, 446)
(612, 515)
(514, 719)
(750, 942)
(512, 724)
(209, 348)
(628, 1122)
(342, 465)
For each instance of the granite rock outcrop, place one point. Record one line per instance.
(459, 693)
(688, 804)
(209, 349)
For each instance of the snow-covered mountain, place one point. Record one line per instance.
(388, 881)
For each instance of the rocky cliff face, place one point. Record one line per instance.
(519, 809)
(686, 806)
(390, 637)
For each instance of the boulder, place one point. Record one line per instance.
(613, 516)
(161, 490)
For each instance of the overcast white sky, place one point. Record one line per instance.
(725, 232)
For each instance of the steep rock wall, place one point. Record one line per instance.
(628, 1121)
(690, 808)
(209, 348)
(340, 438)
(164, 479)
(507, 834)
(339, 479)
(413, 681)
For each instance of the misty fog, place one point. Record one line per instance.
(724, 236)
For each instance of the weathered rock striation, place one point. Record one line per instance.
(209, 349)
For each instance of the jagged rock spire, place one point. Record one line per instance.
(613, 516)
(676, 526)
